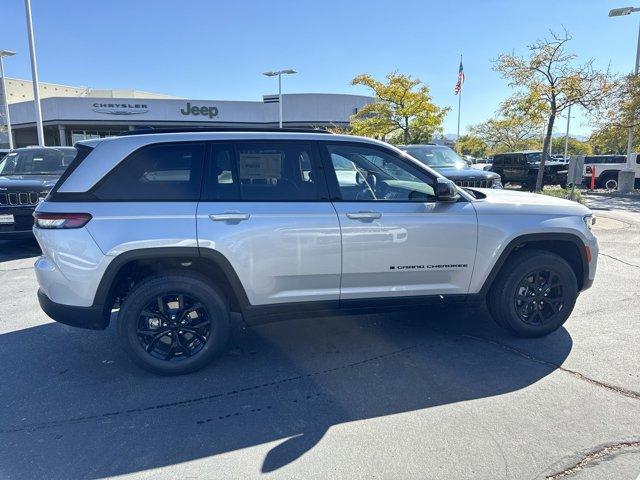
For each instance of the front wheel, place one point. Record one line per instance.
(534, 293)
(173, 324)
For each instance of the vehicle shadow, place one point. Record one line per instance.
(18, 249)
(75, 407)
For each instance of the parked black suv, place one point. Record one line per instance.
(26, 176)
(522, 168)
(448, 163)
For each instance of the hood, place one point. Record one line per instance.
(27, 182)
(514, 202)
(466, 173)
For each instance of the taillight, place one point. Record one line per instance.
(60, 220)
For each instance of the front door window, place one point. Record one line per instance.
(370, 174)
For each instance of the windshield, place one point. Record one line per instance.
(37, 161)
(436, 157)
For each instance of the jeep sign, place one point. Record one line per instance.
(203, 110)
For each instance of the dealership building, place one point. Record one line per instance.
(70, 114)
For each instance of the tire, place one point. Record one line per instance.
(519, 306)
(188, 300)
(609, 181)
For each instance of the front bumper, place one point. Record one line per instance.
(92, 318)
(592, 245)
(22, 226)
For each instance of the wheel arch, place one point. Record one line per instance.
(566, 245)
(132, 266)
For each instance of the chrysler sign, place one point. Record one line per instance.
(120, 108)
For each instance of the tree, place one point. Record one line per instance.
(575, 146)
(612, 139)
(549, 75)
(404, 110)
(619, 113)
(471, 145)
(505, 134)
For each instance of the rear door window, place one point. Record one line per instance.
(164, 172)
(264, 171)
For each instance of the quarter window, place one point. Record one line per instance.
(369, 174)
(156, 172)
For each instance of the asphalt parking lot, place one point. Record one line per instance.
(435, 394)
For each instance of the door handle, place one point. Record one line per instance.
(229, 217)
(364, 215)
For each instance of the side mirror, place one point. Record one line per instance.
(446, 190)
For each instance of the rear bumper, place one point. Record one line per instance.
(93, 317)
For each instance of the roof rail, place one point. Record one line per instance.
(151, 130)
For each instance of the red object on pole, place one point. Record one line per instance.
(593, 178)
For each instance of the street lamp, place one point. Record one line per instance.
(34, 74)
(279, 74)
(6, 53)
(626, 177)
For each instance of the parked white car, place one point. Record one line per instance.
(607, 168)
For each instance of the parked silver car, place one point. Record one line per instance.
(171, 232)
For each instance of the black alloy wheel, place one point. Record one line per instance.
(174, 323)
(173, 326)
(534, 293)
(539, 297)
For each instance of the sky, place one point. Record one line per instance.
(218, 49)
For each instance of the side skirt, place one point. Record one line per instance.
(261, 314)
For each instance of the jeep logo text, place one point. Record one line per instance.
(195, 110)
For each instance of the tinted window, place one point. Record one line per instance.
(37, 161)
(597, 159)
(365, 174)
(263, 171)
(436, 156)
(157, 172)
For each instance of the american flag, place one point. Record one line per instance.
(460, 81)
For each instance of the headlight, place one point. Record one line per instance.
(589, 221)
(496, 183)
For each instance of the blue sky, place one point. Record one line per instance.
(218, 49)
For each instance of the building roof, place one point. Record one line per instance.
(20, 90)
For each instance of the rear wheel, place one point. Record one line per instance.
(173, 324)
(534, 293)
(609, 181)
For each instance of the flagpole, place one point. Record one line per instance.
(459, 105)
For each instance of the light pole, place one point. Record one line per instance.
(34, 74)
(279, 74)
(566, 137)
(626, 177)
(6, 53)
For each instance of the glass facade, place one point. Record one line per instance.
(77, 135)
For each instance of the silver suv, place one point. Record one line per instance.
(168, 233)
